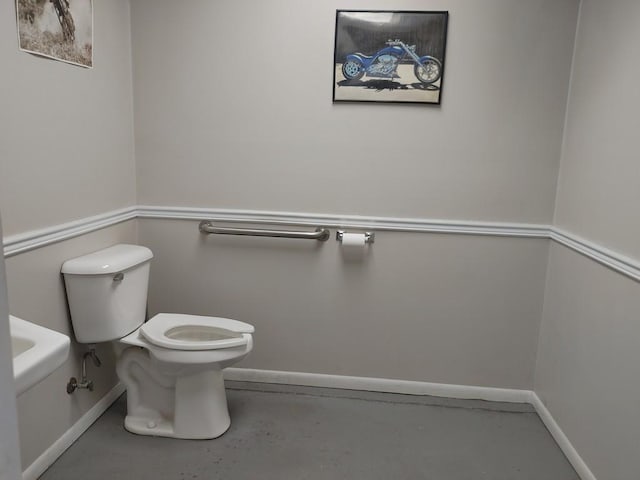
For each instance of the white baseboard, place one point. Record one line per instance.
(561, 439)
(407, 387)
(420, 388)
(51, 454)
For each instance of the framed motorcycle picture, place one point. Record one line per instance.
(389, 56)
(58, 29)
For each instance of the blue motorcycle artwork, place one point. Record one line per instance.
(389, 56)
(384, 63)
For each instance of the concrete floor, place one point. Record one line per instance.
(302, 433)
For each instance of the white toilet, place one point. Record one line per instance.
(172, 364)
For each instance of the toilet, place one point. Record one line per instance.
(172, 364)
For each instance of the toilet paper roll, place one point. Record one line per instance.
(353, 240)
(353, 247)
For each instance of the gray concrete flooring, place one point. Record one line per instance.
(302, 433)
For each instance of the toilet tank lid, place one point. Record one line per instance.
(109, 260)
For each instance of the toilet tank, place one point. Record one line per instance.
(107, 292)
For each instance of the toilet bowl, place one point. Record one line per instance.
(174, 379)
(172, 364)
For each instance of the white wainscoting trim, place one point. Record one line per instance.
(348, 221)
(23, 242)
(581, 468)
(420, 388)
(369, 384)
(51, 454)
(614, 260)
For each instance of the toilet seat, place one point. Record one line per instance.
(194, 332)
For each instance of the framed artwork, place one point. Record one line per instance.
(58, 29)
(389, 56)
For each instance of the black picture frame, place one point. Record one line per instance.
(389, 56)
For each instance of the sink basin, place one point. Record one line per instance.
(37, 352)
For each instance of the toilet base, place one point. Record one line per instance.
(187, 406)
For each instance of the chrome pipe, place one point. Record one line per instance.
(320, 234)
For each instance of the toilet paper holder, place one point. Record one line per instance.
(369, 237)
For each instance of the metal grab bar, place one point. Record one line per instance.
(320, 234)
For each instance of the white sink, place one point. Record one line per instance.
(37, 352)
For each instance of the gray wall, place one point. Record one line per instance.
(66, 152)
(233, 109)
(221, 122)
(440, 308)
(588, 362)
(587, 370)
(598, 194)
(9, 445)
(66, 133)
